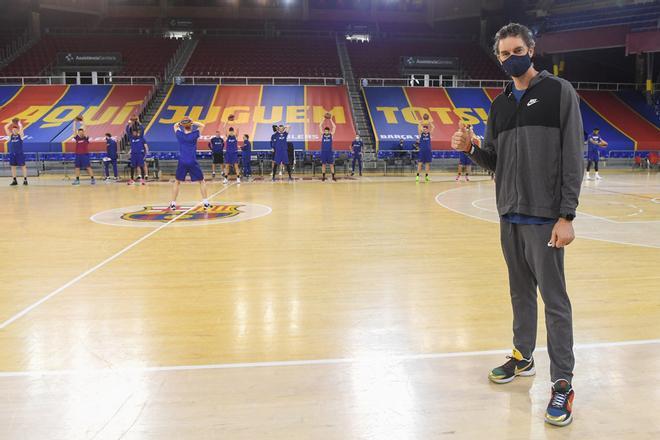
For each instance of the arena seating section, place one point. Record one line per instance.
(143, 56)
(258, 57)
(381, 58)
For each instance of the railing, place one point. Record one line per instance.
(495, 83)
(258, 80)
(51, 80)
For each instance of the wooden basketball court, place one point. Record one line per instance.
(362, 309)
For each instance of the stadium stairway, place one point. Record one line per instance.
(358, 106)
(178, 64)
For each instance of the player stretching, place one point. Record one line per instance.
(327, 155)
(14, 131)
(593, 153)
(187, 133)
(281, 156)
(216, 145)
(356, 147)
(425, 156)
(139, 150)
(82, 151)
(231, 155)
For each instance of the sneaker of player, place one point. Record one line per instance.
(334, 179)
(130, 182)
(13, 183)
(280, 173)
(290, 179)
(238, 179)
(467, 178)
(458, 178)
(588, 177)
(427, 179)
(225, 181)
(417, 178)
(173, 206)
(323, 179)
(517, 365)
(115, 178)
(207, 205)
(360, 174)
(352, 173)
(560, 408)
(106, 178)
(142, 182)
(25, 182)
(75, 182)
(213, 175)
(598, 176)
(93, 181)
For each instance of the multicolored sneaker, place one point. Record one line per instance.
(560, 408)
(427, 178)
(517, 365)
(417, 178)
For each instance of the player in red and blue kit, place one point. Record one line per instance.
(280, 153)
(246, 156)
(231, 155)
(111, 156)
(425, 155)
(15, 135)
(139, 150)
(217, 145)
(82, 151)
(596, 143)
(356, 148)
(327, 155)
(187, 133)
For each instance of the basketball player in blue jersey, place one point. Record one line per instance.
(216, 145)
(246, 156)
(327, 155)
(356, 148)
(111, 156)
(231, 155)
(139, 150)
(593, 152)
(464, 162)
(15, 135)
(187, 133)
(425, 155)
(280, 153)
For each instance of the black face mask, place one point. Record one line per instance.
(517, 65)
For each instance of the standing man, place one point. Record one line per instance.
(280, 153)
(231, 156)
(187, 133)
(82, 151)
(111, 156)
(593, 152)
(216, 145)
(356, 148)
(425, 156)
(139, 150)
(534, 143)
(246, 156)
(14, 131)
(327, 155)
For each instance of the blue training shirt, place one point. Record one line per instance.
(425, 141)
(111, 148)
(15, 144)
(326, 142)
(357, 146)
(217, 144)
(232, 144)
(187, 146)
(137, 145)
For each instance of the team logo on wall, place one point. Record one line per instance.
(186, 214)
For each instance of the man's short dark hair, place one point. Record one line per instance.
(513, 30)
(108, 135)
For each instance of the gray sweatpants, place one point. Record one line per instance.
(533, 264)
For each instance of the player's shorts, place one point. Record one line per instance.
(464, 159)
(231, 157)
(281, 156)
(17, 159)
(82, 161)
(425, 156)
(593, 157)
(137, 161)
(218, 158)
(327, 157)
(183, 169)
